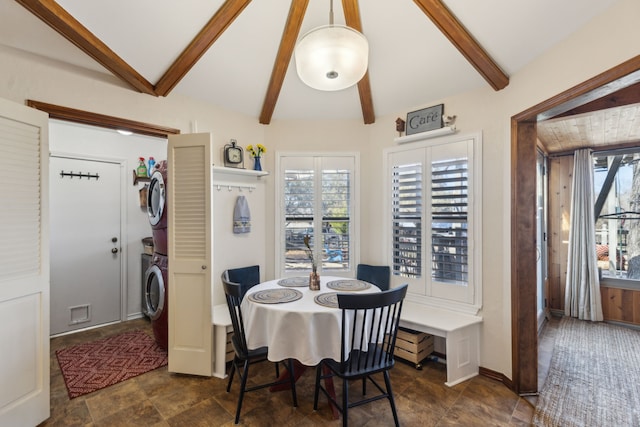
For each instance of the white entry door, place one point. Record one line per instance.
(24, 265)
(86, 285)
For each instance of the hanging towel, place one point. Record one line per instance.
(241, 216)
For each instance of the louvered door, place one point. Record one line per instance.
(24, 265)
(190, 257)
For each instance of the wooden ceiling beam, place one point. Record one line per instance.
(226, 14)
(352, 19)
(50, 12)
(283, 58)
(464, 42)
(625, 96)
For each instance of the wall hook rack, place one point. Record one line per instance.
(239, 187)
(79, 175)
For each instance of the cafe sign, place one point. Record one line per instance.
(424, 120)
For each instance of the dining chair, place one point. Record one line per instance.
(379, 275)
(246, 277)
(368, 321)
(244, 357)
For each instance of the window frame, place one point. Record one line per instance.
(279, 227)
(425, 289)
(605, 279)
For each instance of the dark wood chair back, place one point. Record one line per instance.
(379, 275)
(246, 277)
(233, 292)
(369, 321)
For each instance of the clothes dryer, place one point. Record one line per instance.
(156, 298)
(157, 207)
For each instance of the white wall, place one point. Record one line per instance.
(107, 144)
(237, 250)
(604, 43)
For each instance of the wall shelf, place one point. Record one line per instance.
(447, 130)
(238, 171)
(137, 179)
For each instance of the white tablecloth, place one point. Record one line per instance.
(302, 329)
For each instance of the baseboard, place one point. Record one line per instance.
(134, 316)
(497, 376)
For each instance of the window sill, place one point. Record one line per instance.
(611, 282)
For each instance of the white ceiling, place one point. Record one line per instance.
(411, 62)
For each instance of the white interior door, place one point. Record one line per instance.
(24, 265)
(86, 285)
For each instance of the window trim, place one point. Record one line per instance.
(279, 235)
(475, 223)
(607, 280)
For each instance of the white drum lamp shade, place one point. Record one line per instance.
(332, 57)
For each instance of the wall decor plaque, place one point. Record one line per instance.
(424, 120)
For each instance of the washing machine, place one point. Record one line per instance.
(157, 207)
(156, 297)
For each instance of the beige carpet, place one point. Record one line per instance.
(594, 377)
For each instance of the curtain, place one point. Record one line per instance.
(582, 294)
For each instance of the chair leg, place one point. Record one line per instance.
(231, 372)
(243, 385)
(317, 387)
(390, 397)
(345, 402)
(364, 386)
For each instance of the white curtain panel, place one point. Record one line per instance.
(582, 295)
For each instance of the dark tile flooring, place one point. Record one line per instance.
(160, 398)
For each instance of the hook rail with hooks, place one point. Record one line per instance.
(230, 187)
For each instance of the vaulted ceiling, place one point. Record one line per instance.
(238, 54)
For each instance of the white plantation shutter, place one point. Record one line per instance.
(407, 220)
(449, 213)
(317, 200)
(336, 218)
(435, 215)
(299, 214)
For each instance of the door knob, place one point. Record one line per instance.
(114, 250)
(114, 239)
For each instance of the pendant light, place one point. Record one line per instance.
(332, 57)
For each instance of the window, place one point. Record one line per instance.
(617, 192)
(317, 201)
(435, 199)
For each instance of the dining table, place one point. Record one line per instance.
(296, 322)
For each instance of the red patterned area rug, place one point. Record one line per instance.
(95, 365)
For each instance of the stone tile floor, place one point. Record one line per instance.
(160, 398)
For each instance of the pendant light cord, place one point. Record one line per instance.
(331, 12)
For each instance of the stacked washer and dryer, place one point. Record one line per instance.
(155, 294)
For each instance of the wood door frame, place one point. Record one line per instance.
(524, 141)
